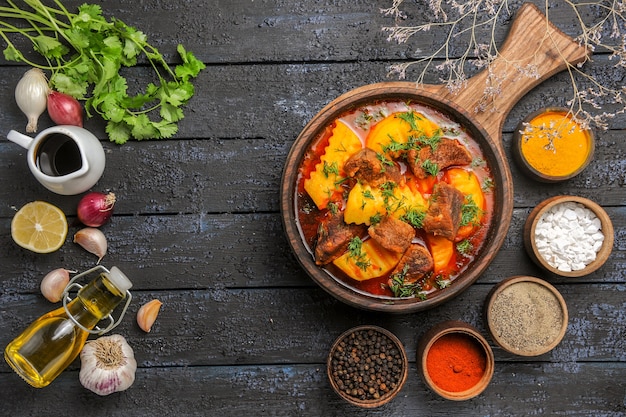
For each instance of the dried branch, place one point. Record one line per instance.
(453, 15)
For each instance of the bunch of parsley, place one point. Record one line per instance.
(84, 53)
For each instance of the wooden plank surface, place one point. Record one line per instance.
(243, 330)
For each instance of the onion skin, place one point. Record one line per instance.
(64, 109)
(95, 209)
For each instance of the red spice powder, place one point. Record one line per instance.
(456, 362)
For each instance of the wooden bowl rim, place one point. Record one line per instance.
(455, 327)
(385, 398)
(508, 282)
(607, 229)
(528, 169)
(503, 204)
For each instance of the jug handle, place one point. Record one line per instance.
(19, 138)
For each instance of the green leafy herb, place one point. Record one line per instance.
(384, 160)
(375, 219)
(394, 146)
(430, 167)
(411, 118)
(478, 162)
(85, 52)
(420, 141)
(470, 212)
(464, 247)
(441, 282)
(355, 251)
(333, 207)
(403, 289)
(414, 217)
(487, 185)
(330, 169)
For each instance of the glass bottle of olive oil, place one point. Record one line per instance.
(52, 342)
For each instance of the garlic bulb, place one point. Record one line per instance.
(147, 314)
(54, 283)
(92, 240)
(108, 365)
(31, 95)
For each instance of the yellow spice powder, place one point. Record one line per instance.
(554, 144)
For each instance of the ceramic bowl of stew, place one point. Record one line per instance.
(569, 236)
(393, 200)
(455, 360)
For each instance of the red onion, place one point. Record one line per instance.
(64, 109)
(95, 209)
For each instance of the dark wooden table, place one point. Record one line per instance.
(243, 330)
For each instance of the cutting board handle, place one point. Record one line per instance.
(533, 51)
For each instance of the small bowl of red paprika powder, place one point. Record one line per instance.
(455, 360)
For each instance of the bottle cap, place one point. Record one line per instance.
(120, 280)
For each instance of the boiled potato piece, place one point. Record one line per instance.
(365, 202)
(326, 179)
(396, 129)
(374, 261)
(467, 182)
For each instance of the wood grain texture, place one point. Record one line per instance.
(243, 330)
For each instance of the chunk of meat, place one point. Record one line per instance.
(414, 264)
(447, 153)
(333, 237)
(367, 167)
(392, 234)
(443, 217)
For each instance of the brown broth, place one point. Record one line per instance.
(361, 121)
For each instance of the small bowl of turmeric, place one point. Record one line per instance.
(551, 146)
(455, 360)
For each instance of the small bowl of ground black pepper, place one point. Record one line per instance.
(455, 360)
(367, 366)
(568, 235)
(526, 316)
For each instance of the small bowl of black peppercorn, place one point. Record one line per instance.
(367, 366)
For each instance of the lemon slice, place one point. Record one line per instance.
(40, 227)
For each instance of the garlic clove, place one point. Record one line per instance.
(108, 365)
(92, 240)
(147, 314)
(54, 283)
(31, 96)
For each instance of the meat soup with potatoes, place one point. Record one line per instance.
(394, 199)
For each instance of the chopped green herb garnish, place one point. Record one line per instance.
(355, 251)
(415, 217)
(411, 118)
(384, 160)
(487, 185)
(368, 194)
(430, 167)
(330, 169)
(394, 146)
(441, 283)
(464, 247)
(375, 219)
(470, 212)
(478, 162)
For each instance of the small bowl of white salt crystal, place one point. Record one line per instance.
(569, 236)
